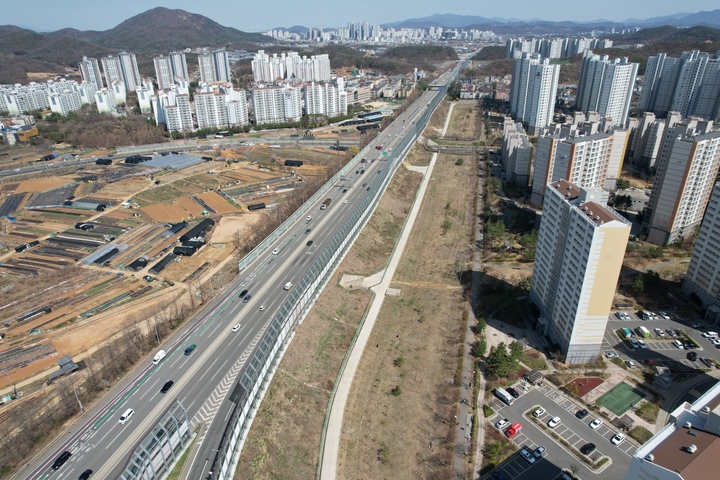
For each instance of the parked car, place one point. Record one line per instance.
(710, 334)
(670, 332)
(554, 422)
(692, 356)
(697, 325)
(611, 355)
(708, 362)
(642, 344)
(513, 430)
(538, 412)
(498, 476)
(526, 453)
(539, 451)
(659, 332)
(513, 392)
(630, 363)
(595, 424)
(587, 449)
(617, 439)
(582, 413)
(190, 349)
(678, 332)
(501, 423)
(664, 315)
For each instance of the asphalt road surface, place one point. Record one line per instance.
(99, 442)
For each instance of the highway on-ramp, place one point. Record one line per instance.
(98, 441)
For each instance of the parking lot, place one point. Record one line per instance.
(660, 350)
(573, 430)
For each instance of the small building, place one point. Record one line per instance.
(66, 366)
(534, 377)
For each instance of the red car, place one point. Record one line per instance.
(513, 430)
(379, 147)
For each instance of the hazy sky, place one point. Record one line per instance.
(250, 15)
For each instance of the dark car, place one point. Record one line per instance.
(344, 190)
(310, 242)
(190, 349)
(678, 332)
(60, 461)
(692, 356)
(167, 386)
(587, 449)
(307, 231)
(247, 298)
(581, 414)
(513, 392)
(243, 293)
(687, 344)
(498, 476)
(85, 475)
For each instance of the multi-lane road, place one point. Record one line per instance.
(101, 443)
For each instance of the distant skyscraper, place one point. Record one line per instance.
(163, 72)
(90, 71)
(580, 250)
(686, 168)
(130, 72)
(533, 91)
(606, 86)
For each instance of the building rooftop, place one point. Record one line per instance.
(677, 454)
(597, 213)
(568, 190)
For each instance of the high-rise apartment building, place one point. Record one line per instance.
(290, 66)
(533, 91)
(580, 249)
(130, 72)
(647, 138)
(277, 104)
(325, 99)
(606, 86)
(589, 154)
(90, 71)
(223, 107)
(111, 70)
(214, 66)
(163, 72)
(516, 154)
(105, 100)
(689, 85)
(703, 274)
(686, 168)
(179, 66)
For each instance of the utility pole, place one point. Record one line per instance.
(78, 400)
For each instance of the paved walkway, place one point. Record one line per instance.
(378, 283)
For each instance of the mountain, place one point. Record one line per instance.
(155, 31)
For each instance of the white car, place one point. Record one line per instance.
(540, 411)
(501, 423)
(595, 424)
(664, 315)
(617, 439)
(308, 218)
(262, 307)
(642, 344)
(344, 201)
(554, 422)
(611, 355)
(659, 332)
(276, 251)
(710, 334)
(126, 416)
(715, 341)
(236, 328)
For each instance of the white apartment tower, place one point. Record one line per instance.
(686, 169)
(290, 66)
(214, 66)
(648, 136)
(163, 72)
(689, 85)
(90, 71)
(179, 66)
(210, 110)
(325, 99)
(111, 70)
(703, 274)
(533, 90)
(516, 154)
(105, 100)
(277, 104)
(130, 72)
(580, 249)
(589, 154)
(606, 86)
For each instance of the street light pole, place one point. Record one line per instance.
(78, 400)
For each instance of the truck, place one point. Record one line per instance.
(503, 395)
(159, 356)
(325, 204)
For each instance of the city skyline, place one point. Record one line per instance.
(51, 16)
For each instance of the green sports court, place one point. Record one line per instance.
(621, 398)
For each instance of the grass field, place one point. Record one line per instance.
(621, 398)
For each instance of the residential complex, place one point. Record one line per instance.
(90, 71)
(221, 107)
(61, 97)
(703, 275)
(291, 67)
(647, 138)
(553, 47)
(689, 85)
(685, 173)
(687, 448)
(516, 154)
(277, 104)
(606, 86)
(533, 90)
(588, 152)
(580, 249)
(329, 99)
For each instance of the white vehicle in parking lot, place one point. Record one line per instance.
(595, 424)
(617, 439)
(554, 422)
(501, 423)
(710, 334)
(659, 332)
(539, 412)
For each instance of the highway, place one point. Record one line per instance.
(100, 443)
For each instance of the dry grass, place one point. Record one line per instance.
(464, 123)
(285, 436)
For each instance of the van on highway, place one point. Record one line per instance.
(288, 286)
(126, 416)
(159, 356)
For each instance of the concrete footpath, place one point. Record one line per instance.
(380, 283)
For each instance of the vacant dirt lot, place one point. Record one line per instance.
(216, 202)
(285, 436)
(400, 413)
(465, 123)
